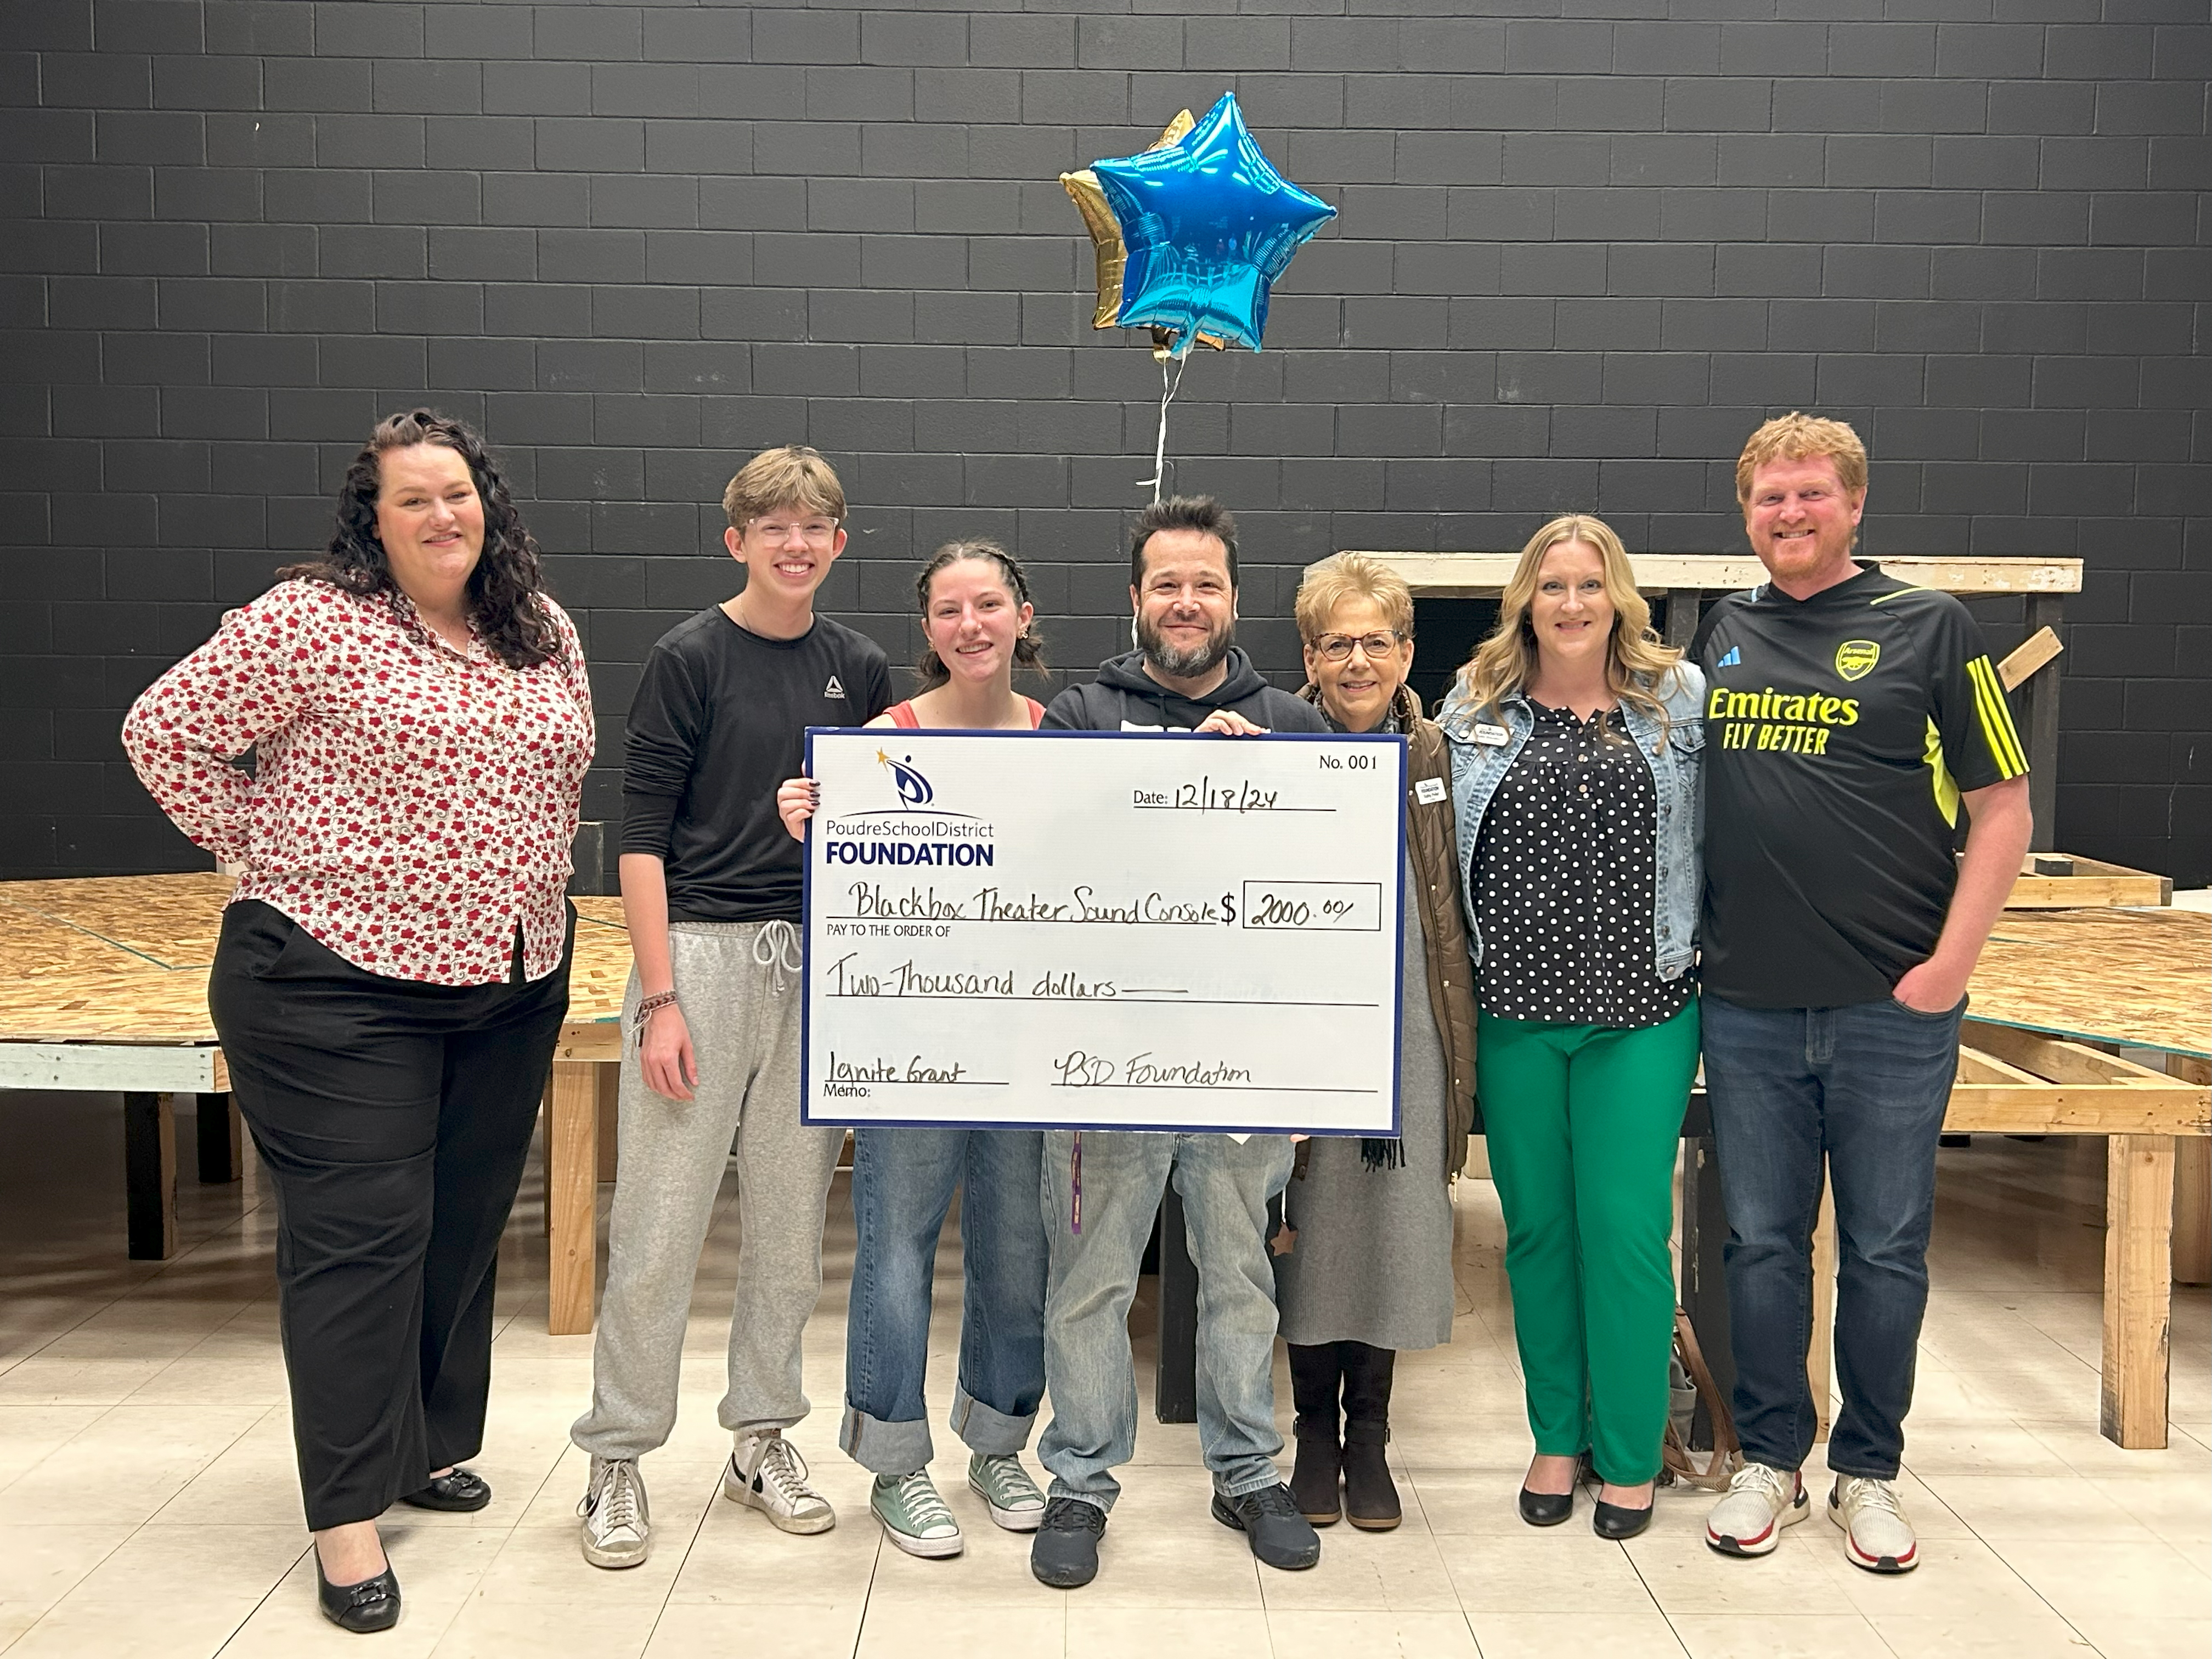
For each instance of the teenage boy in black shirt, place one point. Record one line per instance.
(1850, 719)
(711, 887)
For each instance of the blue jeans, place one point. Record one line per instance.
(1225, 1189)
(902, 1184)
(1866, 1087)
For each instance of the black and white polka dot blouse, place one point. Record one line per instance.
(1563, 880)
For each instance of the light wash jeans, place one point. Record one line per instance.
(902, 1184)
(1225, 1189)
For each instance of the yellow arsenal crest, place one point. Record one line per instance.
(1854, 658)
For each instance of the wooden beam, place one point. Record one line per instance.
(1468, 574)
(2028, 657)
(590, 1039)
(150, 1175)
(1975, 1067)
(572, 1156)
(608, 1079)
(2058, 1060)
(2083, 892)
(2064, 1109)
(2193, 1187)
(2138, 1289)
(1819, 1357)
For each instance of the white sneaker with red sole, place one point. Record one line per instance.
(1876, 1534)
(1759, 1503)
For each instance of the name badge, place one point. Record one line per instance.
(1491, 736)
(1428, 790)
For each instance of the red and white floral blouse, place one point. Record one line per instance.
(410, 804)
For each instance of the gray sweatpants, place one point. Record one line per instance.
(740, 989)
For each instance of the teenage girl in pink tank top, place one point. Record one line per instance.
(977, 619)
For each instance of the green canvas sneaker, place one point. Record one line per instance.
(1002, 1482)
(914, 1518)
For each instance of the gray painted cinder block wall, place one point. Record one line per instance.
(1585, 247)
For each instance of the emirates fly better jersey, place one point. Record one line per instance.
(1839, 733)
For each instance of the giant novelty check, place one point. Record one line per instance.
(1102, 930)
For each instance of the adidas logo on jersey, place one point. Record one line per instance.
(1733, 659)
(835, 688)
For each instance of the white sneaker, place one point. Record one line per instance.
(1759, 1502)
(766, 1473)
(1876, 1534)
(617, 1527)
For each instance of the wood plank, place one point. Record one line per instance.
(572, 1146)
(2025, 658)
(1820, 1353)
(2138, 1289)
(2076, 1109)
(149, 1175)
(2056, 1059)
(104, 1067)
(1975, 1067)
(590, 1040)
(2084, 892)
(1466, 574)
(2193, 1187)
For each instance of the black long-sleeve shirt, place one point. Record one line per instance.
(719, 720)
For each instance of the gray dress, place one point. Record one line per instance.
(1373, 1262)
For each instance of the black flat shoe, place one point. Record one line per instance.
(364, 1608)
(459, 1491)
(1613, 1521)
(1546, 1509)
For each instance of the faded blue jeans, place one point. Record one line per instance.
(1225, 1189)
(902, 1185)
(1866, 1087)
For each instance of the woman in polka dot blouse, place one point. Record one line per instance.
(1576, 741)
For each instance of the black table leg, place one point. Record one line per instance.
(1174, 1384)
(221, 1150)
(149, 1175)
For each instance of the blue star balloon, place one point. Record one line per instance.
(1204, 225)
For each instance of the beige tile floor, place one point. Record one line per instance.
(148, 1506)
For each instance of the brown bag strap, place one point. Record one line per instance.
(1727, 1455)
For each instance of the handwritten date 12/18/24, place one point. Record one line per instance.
(1206, 795)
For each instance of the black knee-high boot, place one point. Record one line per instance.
(1315, 1375)
(1370, 1496)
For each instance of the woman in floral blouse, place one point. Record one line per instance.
(393, 967)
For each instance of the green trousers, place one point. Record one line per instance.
(1584, 1123)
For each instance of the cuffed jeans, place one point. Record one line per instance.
(1224, 1186)
(1866, 1087)
(902, 1184)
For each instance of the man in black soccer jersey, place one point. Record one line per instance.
(1850, 720)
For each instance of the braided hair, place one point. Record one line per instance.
(1029, 650)
(506, 590)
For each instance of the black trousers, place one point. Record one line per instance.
(393, 1117)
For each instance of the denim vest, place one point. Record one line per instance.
(1677, 769)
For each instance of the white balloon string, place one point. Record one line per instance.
(1167, 390)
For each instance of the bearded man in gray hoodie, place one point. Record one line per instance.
(1186, 675)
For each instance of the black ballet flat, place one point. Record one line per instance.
(460, 1492)
(364, 1608)
(1546, 1509)
(1616, 1522)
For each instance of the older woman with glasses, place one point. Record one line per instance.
(1369, 1269)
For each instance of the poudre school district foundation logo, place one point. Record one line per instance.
(912, 788)
(1854, 658)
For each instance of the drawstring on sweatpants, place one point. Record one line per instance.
(776, 948)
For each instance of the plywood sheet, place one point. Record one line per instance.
(2139, 976)
(172, 920)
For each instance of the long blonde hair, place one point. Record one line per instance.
(1636, 657)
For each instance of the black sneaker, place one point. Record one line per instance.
(1065, 1552)
(1280, 1536)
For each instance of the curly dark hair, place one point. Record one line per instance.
(1029, 649)
(507, 605)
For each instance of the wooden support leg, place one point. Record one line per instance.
(149, 1175)
(221, 1146)
(572, 1159)
(609, 1080)
(2138, 1288)
(2193, 1187)
(1820, 1354)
